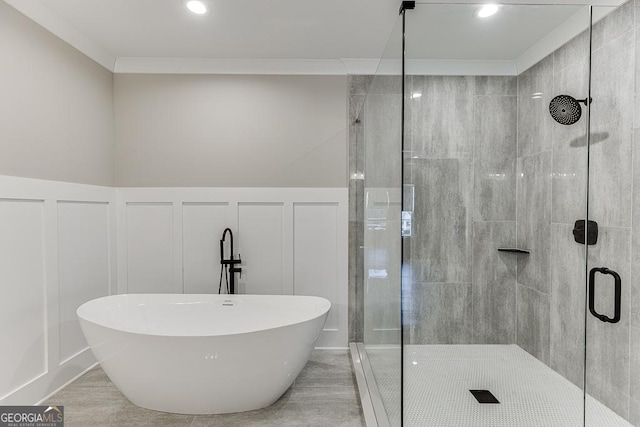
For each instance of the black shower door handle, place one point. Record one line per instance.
(617, 297)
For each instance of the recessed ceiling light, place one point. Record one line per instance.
(416, 95)
(487, 10)
(197, 7)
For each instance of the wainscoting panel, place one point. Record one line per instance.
(260, 232)
(64, 244)
(202, 226)
(150, 248)
(23, 297)
(277, 231)
(316, 251)
(57, 251)
(83, 267)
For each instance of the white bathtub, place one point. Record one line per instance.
(203, 354)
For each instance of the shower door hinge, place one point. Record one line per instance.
(407, 5)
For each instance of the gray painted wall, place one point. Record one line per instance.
(64, 117)
(231, 131)
(56, 108)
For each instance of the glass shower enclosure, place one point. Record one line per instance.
(500, 229)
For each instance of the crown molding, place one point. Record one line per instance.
(229, 66)
(43, 16)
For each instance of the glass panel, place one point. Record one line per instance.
(613, 342)
(493, 280)
(381, 122)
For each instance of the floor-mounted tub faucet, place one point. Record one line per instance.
(228, 265)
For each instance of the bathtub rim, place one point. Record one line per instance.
(325, 312)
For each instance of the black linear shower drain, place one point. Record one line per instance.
(484, 396)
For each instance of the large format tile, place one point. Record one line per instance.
(610, 174)
(441, 120)
(441, 240)
(356, 133)
(496, 85)
(637, 71)
(291, 415)
(635, 249)
(495, 158)
(635, 236)
(572, 52)
(359, 315)
(533, 322)
(85, 404)
(352, 286)
(359, 84)
(382, 140)
(568, 287)
(132, 416)
(534, 220)
(615, 24)
(440, 313)
(494, 283)
(570, 149)
(608, 343)
(535, 87)
(634, 377)
(329, 368)
(382, 263)
(323, 395)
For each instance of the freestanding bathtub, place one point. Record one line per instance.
(203, 354)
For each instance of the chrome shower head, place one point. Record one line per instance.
(566, 109)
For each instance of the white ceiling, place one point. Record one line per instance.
(302, 36)
(274, 29)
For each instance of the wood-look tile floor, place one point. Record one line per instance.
(324, 394)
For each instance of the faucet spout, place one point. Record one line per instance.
(229, 264)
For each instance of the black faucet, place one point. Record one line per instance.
(230, 263)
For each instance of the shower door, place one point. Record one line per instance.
(612, 379)
(494, 277)
(379, 123)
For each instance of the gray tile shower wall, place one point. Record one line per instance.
(495, 159)
(441, 120)
(634, 375)
(613, 356)
(567, 308)
(461, 135)
(534, 221)
(494, 278)
(535, 87)
(358, 87)
(607, 343)
(533, 322)
(462, 166)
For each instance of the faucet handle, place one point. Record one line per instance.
(234, 270)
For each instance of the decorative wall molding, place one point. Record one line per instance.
(57, 251)
(291, 240)
(61, 246)
(136, 65)
(50, 21)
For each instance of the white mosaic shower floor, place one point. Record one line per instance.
(438, 379)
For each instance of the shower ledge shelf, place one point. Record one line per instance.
(514, 250)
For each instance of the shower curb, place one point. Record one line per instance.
(370, 399)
